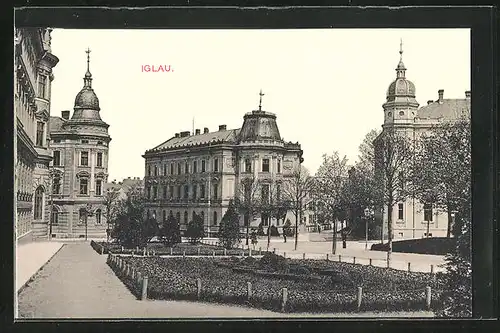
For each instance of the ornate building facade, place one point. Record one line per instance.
(201, 172)
(80, 147)
(33, 63)
(402, 114)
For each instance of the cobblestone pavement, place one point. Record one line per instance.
(77, 283)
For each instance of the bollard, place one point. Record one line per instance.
(283, 301)
(409, 269)
(171, 251)
(122, 249)
(260, 251)
(137, 249)
(198, 287)
(370, 261)
(249, 290)
(225, 252)
(428, 297)
(327, 257)
(432, 269)
(145, 288)
(340, 258)
(144, 252)
(184, 254)
(132, 253)
(274, 250)
(360, 296)
(354, 260)
(249, 252)
(213, 253)
(303, 256)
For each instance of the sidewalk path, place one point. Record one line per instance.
(77, 283)
(30, 257)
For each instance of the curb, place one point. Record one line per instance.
(38, 271)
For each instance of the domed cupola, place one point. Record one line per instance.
(401, 90)
(260, 126)
(86, 102)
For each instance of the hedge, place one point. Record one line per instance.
(432, 245)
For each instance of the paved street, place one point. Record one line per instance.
(77, 283)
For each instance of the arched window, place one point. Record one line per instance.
(82, 215)
(98, 216)
(38, 203)
(178, 217)
(54, 216)
(185, 217)
(215, 218)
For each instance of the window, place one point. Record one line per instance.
(186, 192)
(54, 216)
(279, 166)
(265, 193)
(83, 186)
(84, 158)
(216, 194)
(148, 190)
(98, 216)
(98, 187)
(278, 192)
(39, 133)
(38, 203)
(265, 165)
(171, 168)
(164, 215)
(202, 191)
(400, 211)
(185, 217)
(156, 170)
(195, 166)
(42, 84)
(428, 212)
(149, 170)
(56, 155)
(155, 192)
(248, 165)
(178, 217)
(56, 185)
(165, 192)
(203, 166)
(99, 159)
(215, 218)
(216, 165)
(194, 191)
(164, 169)
(179, 168)
(171, 191)
(82, 218)
(85, 141)
(178, 192)
(186, 167)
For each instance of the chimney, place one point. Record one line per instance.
(197, 131)
(185, 134)
(176, 135)
(205, 130)
(65, 114)
(222, 127)
(128, 177)
(429, 101)
(467, 94)
(440, 93)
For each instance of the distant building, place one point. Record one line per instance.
(80, 146)
(33, 63)
(124, 186)
(201, 172)
(403, 114)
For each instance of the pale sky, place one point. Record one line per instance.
(326, 86)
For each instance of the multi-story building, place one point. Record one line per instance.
(80, 147)
(201, 172)
(33, 63)
(402, 114)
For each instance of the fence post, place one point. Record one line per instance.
(340, 258)
(198, 250)
(260, 250)
(144, 288)
(102, 249)
(198, 287)
(242, 254)
(283, 301)
(249, 290)
(304, 256)
(327, 257)
(284, 254)
(428, 297)
(122, 248)
(136, 248)
(144, 252)
(109, 257)
(370, 261)
(360, 296)
(153, 252)
(409, 267)
(132, 253)
(184, 254)
(133, 274)
(213, 253)
(274, 250)
(354, 260)
(432, 269)
(171, 251)
(388, 263)
(249, 252)
(225, 252)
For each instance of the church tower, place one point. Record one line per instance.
(80, 147)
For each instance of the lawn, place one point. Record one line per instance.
(312, 285)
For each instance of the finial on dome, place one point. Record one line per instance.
(401, 49)
(88, 76)
(400, 70)
(260, 100)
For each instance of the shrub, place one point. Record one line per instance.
(271, 261)
(229, 227)
(170, 232)
(195, 229)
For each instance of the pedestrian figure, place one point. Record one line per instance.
(284, 235)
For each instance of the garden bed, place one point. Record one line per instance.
(224, 280)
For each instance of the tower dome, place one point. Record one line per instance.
(259, 125)
(86, 101)
(401, 89)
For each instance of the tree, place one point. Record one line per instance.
(170, 232)
(328, 188)
(229, 227)
(394, 155)
(247, 201)
(131, 227)
(442, 167)
(110, 200)
(273, 205)
(296, 189)
(253, 237)
(195, 230)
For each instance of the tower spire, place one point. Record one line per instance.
(260, 100)
(400, 70)
(401, 49)
(88, 77)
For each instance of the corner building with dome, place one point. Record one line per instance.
(79, 167)
(403, 114)
(201, 172)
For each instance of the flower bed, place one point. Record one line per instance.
(159, 249)
(383, 289)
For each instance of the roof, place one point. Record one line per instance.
(449, 109)
(224, 136)
(56, 124)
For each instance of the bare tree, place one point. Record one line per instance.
(274, 204)
(394, 157)
(247, 201)
(328, 186)
(111, 197)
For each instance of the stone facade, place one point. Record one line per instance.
(201, 172)
(80, 147)
(33, 63)
(402, 114)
